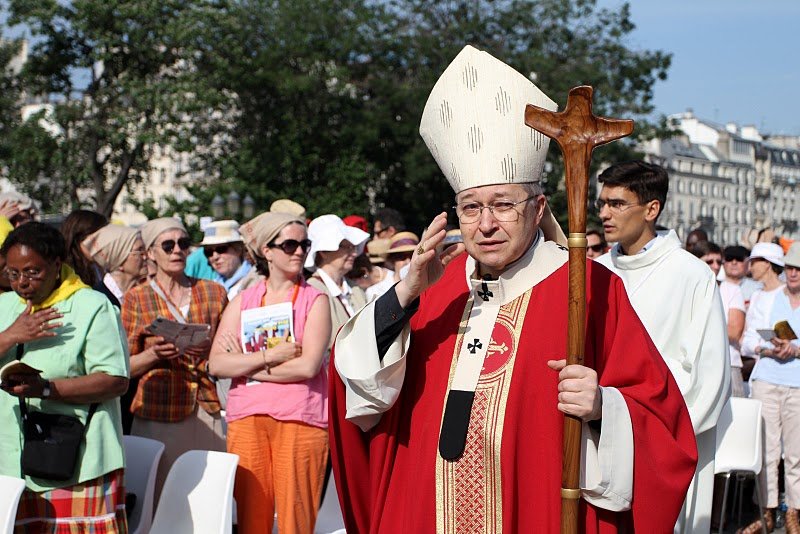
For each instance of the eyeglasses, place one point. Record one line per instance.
(288, 246)
(501, 210)
(380, 232)
(219, 249)
(32, 275)
(615, 205)
(600, 247)
(712, 261)
(169, 245)
(729, 259)
(139, 251)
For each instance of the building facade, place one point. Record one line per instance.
(732, 182)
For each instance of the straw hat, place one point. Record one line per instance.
(219, 232)
(403, 242)
(377, 249)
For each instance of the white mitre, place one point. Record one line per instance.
(474, 123)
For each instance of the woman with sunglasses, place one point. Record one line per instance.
(224, 250)
(55, 323)
(277, 410)
(176, 401)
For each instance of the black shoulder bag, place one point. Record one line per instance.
(51, 441)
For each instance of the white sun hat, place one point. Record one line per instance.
(327, 232)
(768, 251)
(219, 232)
(474, 123)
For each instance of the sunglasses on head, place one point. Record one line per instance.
(169, 245)
(600, 247)
(219, 249)
(290, 245)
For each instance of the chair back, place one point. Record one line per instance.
(197, 497)
(739, 436)
(141, 466)
(329, 518)
(10, 492)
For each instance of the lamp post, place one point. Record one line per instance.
(233, 206)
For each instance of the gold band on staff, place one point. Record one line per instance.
(570, 493)
(577, 240)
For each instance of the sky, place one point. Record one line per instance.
(732, 60)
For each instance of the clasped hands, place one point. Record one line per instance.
(284, 350)
(784, 349)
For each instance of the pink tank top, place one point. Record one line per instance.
(305, 401)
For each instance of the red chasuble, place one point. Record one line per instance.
(391, 479)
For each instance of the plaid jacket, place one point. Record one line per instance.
(169, 390)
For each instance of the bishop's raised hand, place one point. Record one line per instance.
(428, 261)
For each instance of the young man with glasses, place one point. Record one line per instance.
(677, 299)
(735, 261)
(448, 392)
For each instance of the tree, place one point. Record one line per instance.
(117, 79)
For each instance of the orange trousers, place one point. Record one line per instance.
(281, 468)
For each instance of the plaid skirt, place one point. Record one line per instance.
(95, 507)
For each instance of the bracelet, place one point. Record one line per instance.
(264, 356)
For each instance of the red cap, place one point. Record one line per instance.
(356, 221)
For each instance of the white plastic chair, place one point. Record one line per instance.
(329, 518)
(739, 446)
(141, 465)
(197, 497)
(10, 492)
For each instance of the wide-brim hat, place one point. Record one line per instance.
(474, 123)
(403, 242)
(793, 256)
(327, 232)
(771, 252)
(220, 232)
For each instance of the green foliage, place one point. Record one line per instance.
(315, 100)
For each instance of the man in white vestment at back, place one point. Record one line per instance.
(677, 299)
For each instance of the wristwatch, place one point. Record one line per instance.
(46, 389)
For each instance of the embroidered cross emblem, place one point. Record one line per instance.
(485, 293)
(474, 347)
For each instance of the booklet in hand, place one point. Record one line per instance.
(182, 335)
(265, 327)
(16, 367)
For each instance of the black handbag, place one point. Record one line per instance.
(51, 441)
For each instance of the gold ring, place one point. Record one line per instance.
(420, 250)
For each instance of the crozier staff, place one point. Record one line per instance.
(476, 342)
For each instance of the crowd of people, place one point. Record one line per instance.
(426, 370)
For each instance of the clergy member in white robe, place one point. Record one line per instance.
(677, 299)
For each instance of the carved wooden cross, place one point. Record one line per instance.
(577, 131)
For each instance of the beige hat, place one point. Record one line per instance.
(474, 123)
(377, 250)
(263, 229)
(219, 232)
(111, 245)
(284, 205)
(403, 242)
(793, 256)
(152, 229)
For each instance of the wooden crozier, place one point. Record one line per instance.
(577, 132)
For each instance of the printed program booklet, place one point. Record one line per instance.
(265, 327)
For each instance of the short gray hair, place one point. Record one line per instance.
(534, 189)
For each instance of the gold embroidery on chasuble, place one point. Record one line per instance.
(469, 490)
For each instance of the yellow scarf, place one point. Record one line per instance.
(70, 283)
